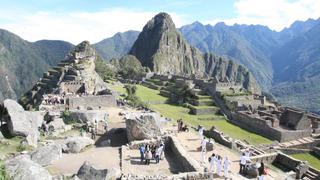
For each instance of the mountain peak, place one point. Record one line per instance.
(162, 21)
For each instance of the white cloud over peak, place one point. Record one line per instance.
(275, 14)
(78, 26)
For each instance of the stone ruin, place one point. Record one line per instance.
(75, 75)
(281, 124)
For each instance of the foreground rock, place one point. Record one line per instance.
(84, 116)
(21, 122)
(21, 167)
(76, 144)
(46, 154)
(87, 172)
(143, 126)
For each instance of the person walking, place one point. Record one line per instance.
(162, 148)
(141, 150)
(203, 149)
(158, 153)
(219, 165)
(213, 160)
(226, 166)
(201, 129)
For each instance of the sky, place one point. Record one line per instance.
(95, 20)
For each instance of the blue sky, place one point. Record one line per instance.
(94, 20)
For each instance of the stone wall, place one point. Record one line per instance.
(263, 127)
(218, 137)
(202, 111)
(266, 158)
(93, 102)
(187, 163)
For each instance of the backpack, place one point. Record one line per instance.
(209, 159)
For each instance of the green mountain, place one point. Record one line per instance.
(297, 71)
(165, 51)
(23, 62)
(116, 46)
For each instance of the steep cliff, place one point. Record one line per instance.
(164, 50)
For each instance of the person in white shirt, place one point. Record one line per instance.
(219, 165)
(203, 149)
(247, 152)
(213, 160)
(226, 165)
(201, 129)
(243, 161)
(158, 153)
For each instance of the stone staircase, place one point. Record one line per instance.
(294, 143)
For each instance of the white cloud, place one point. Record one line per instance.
(78, 26)
(276, 14)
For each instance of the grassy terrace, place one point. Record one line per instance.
(313, 160)
(175, 112)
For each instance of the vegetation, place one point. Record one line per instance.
(3, 173)
(105, 71)
(132, 97)
(67, 117)
(11, 145)
(312, 160)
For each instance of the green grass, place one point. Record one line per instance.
(312, 160)
(9, 146)
(176, 112)
(3, 173)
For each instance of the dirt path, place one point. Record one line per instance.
(100, 157)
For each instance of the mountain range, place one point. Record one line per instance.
(284, 63)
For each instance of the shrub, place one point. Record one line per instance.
(3, 173)
(67, 117)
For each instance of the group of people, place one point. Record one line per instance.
(53, 99)
(182, 127)
(217, 162)
(245, 161)
(151, 151)
(93, 127)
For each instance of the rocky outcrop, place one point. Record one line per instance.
(46, 154)
(142, 126)
(165, 51)
(21, 122)
(76, 144)
(87, 172)
(22, 167)
(78, 67)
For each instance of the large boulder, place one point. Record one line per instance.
(46, 154)
(21, 122)
(142, 126)
(84, 116)
(76, 144)
(57, 124)
(22, 167)
(87, 172)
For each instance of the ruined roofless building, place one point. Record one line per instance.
(74, 75)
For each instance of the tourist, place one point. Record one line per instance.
(219, 165)
(212, 161)
(93, 133)
(247, 152)
(82, 132)
(162, 152)
(203, 149)
(262, 171)
(158, 153)
(148, 156)
(153, 151)
(201, 129)
(243, 162)
(226, 165)
(179, 125)
(142, 150)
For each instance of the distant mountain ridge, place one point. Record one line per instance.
(23, 62)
